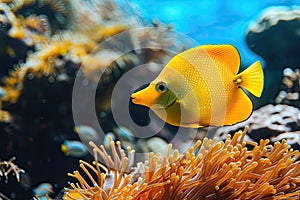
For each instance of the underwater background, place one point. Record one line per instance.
(45, 44)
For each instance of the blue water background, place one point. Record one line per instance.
(212, 21)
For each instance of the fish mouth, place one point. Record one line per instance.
(135, 98)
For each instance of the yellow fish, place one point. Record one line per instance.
(202, 87)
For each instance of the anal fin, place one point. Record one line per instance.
(239, 108)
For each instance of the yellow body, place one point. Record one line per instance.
(204, 88)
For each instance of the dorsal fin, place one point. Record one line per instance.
(227, 53)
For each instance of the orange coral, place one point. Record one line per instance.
(213, 170)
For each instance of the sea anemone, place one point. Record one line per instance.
(208, 170)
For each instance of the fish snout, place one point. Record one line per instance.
(135, 98)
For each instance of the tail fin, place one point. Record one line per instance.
(252, 79)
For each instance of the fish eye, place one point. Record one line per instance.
(161, 87)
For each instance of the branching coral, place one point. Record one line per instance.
(272, 122)
(213, 170)
(7, 167)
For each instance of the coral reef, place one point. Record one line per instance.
(54, 48)
(60, 50)
(45, 42)
(278, 28)
(291, 88)
(213, 170)
(274, 122)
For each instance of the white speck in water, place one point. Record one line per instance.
(30, 76)
(51, 79)
(85, 82)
